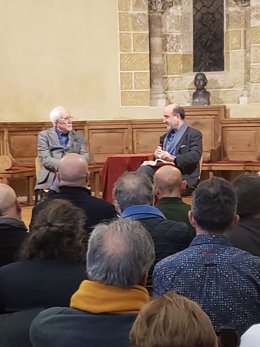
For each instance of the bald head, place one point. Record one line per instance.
(169, 108)
(73, 170)
(168, 181)
(9, 206)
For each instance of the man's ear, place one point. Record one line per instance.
(87, 177)
(18, 207)
(183, 185)
(191, 219)
(143, 280)
(235, 221)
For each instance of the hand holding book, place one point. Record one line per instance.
(158, 162)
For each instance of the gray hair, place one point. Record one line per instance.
(119, 253)
(133, 188)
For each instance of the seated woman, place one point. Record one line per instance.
(50, 269)
(172, 320)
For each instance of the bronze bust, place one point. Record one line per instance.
(201, 96)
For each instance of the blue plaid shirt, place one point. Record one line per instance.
(223, 280)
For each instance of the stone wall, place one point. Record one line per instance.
(134, 52)
(242, 55)
(239, 83)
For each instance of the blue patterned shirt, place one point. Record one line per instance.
(223, 280)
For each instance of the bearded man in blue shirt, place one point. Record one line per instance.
(181, 145)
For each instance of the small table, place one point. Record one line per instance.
(116, 165)
(21, 172)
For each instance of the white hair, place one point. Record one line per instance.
(56, 114)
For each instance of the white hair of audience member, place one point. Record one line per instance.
(251, 338)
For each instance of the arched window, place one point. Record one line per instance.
(208, 35)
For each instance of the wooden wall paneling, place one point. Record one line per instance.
(2, 141)
(22, 140)
(146, 135)
(241, 140)
(106, 138)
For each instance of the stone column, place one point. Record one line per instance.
(156, 8)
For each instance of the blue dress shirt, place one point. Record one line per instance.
(63, 138)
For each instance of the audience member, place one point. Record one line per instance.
(49, 272)
(172, 320)
(246, 234)
(133, 192)
(251, 338)
(12, 229)
(105, 306)
(223, 280)
(181, 145)
(54, 143)
(201, 96)
(168, 186)
(74, 177)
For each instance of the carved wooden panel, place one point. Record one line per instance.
(23, 147)
(146, 134)
(2, 142)
(108, 139)
(241, 141)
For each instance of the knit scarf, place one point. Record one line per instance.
(171, 148)
(96, 297)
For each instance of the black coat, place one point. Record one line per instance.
(29, 286)
(67, 327)
(246, 235)
(169, 237)
(96, 210)
(12, 234)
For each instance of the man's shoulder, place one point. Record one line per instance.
(54, 313)
(166, 227)
(193, 131)
(47, 132)
(172, 261)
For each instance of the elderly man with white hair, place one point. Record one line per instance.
(54, 143)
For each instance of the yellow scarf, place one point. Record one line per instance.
(97, 298)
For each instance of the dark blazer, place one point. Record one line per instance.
(188, 154)
(96, 210)
(50, 151)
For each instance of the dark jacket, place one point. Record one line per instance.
(169, 237)
(12, 234)
(67, 327)
(28, 286)
(246, 235)
(96, 210)
(188, 154)
(175, 209)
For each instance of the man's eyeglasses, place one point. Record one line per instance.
(66, 118)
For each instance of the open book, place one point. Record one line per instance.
(157, 163)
